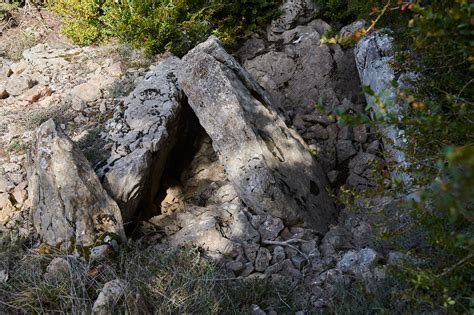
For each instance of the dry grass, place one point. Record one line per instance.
(23, 28)
(174, 281)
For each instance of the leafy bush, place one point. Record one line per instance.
(435, 42)
(343, 12)
(80, 19)
(159, 25)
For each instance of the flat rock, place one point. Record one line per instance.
(271, 169)
(16, 85)
(359, 262)
(68, 201)
(88, 92)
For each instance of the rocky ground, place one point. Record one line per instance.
(229, 155)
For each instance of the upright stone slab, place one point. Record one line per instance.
(143, 134)
(68, 201)
(267, 162)
(373, 54)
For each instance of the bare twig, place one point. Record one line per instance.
(378, 18)
(289, 244)
(459, 263)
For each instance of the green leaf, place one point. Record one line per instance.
(367, 89)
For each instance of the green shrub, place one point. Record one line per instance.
(343, 12)
(159, 25)
(80, 19)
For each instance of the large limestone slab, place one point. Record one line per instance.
(143, 133)
(267, 163)
(68, 201)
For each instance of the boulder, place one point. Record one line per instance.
(109, 296)
(271, 169)
(17, 84)
(217, 229)
(357, 263)
(143, 134)
(293, 12)
(88, 92)
(67, 199)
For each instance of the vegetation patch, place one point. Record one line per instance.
(164, 25)
(172, 282)
(433, 40)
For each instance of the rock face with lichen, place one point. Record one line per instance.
(68, 201)
(268, 164)
(373, 54)
(142, 136)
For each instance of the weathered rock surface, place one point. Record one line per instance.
(359, 262)
(299, 71)
(218, 230)
(267, 163)
(109, 295)
(294, 12)
(68, 201)
(373, 54)
(143, 133)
